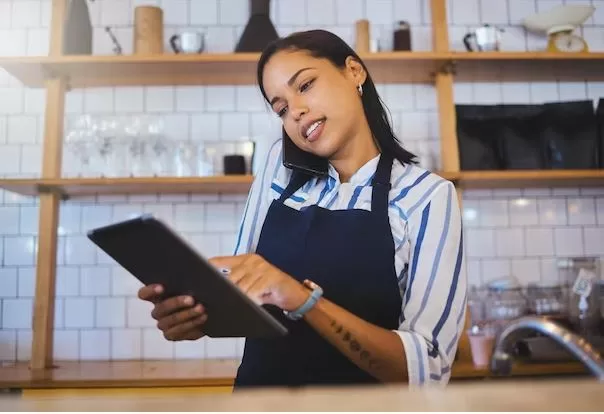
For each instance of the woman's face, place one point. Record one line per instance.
(318, 103)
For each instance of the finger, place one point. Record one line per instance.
(170, 306)
(188, 330)
(194, 334)
(177, 318)
(260, 292)
(150, 293)
(236, 275)
(249, 281)
(226, 262)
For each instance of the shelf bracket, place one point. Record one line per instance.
(444, 68)
(448, 68)
(50, 74)
(51, 189)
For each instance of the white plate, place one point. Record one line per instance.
(559, 18)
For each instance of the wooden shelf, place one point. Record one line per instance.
(527, 66)
(206, 69)
(73, 187)
(240, 184)
(529, 178)
(240, 68)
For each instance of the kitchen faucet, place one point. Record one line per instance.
(501, 361)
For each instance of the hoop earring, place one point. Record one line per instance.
(360, 89)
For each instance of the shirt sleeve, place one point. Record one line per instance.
(258, 202)
(434, 298)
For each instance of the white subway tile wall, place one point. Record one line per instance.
(97, 315)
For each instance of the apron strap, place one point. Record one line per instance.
(297, 180)
(381, 184)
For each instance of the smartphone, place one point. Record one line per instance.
(297, 159)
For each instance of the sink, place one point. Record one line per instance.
(579, 347)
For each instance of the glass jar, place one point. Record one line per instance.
(547, 300)
(476, 305)
(581, 275)
(601, 285)
(505, 302)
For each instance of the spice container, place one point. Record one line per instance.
(362, 44)
(148, 30)
(402, 36)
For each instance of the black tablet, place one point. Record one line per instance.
(154, 254)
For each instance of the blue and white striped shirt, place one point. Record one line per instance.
(427, 230)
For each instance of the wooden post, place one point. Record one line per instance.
(43, 312)
(448, 136)
(449, 147)
(444, 90)
(464, 353)
(440, 32)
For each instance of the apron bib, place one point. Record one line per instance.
(350, 254)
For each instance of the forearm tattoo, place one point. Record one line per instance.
(354, 345)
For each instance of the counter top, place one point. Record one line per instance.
(182, 373)
(569, 395)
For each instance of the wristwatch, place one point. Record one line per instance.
(314, 297)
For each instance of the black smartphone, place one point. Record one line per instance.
(297, 159)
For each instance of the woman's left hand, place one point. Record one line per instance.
(263, 282)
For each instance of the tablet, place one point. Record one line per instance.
(154, 254)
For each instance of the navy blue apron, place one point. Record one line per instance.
(350, 254)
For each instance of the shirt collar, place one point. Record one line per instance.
(366, 171)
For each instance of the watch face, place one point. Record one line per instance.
(569, 43)
(310, 284)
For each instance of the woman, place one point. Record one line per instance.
(364, 264)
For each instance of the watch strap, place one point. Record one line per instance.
(314, 297)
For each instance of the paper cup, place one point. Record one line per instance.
(481, 345)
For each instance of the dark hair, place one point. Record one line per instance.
(324, 44)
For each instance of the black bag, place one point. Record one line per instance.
(520, 135)
(555, 135)
(600, 126)
(570, 135)
(478, 137)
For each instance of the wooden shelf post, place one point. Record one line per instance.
(43, 312)
(447, 126)
(444, 90)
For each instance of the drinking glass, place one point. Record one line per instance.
(185, 158)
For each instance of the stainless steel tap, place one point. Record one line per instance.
(501, 361)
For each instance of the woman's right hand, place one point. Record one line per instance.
(176, 317)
